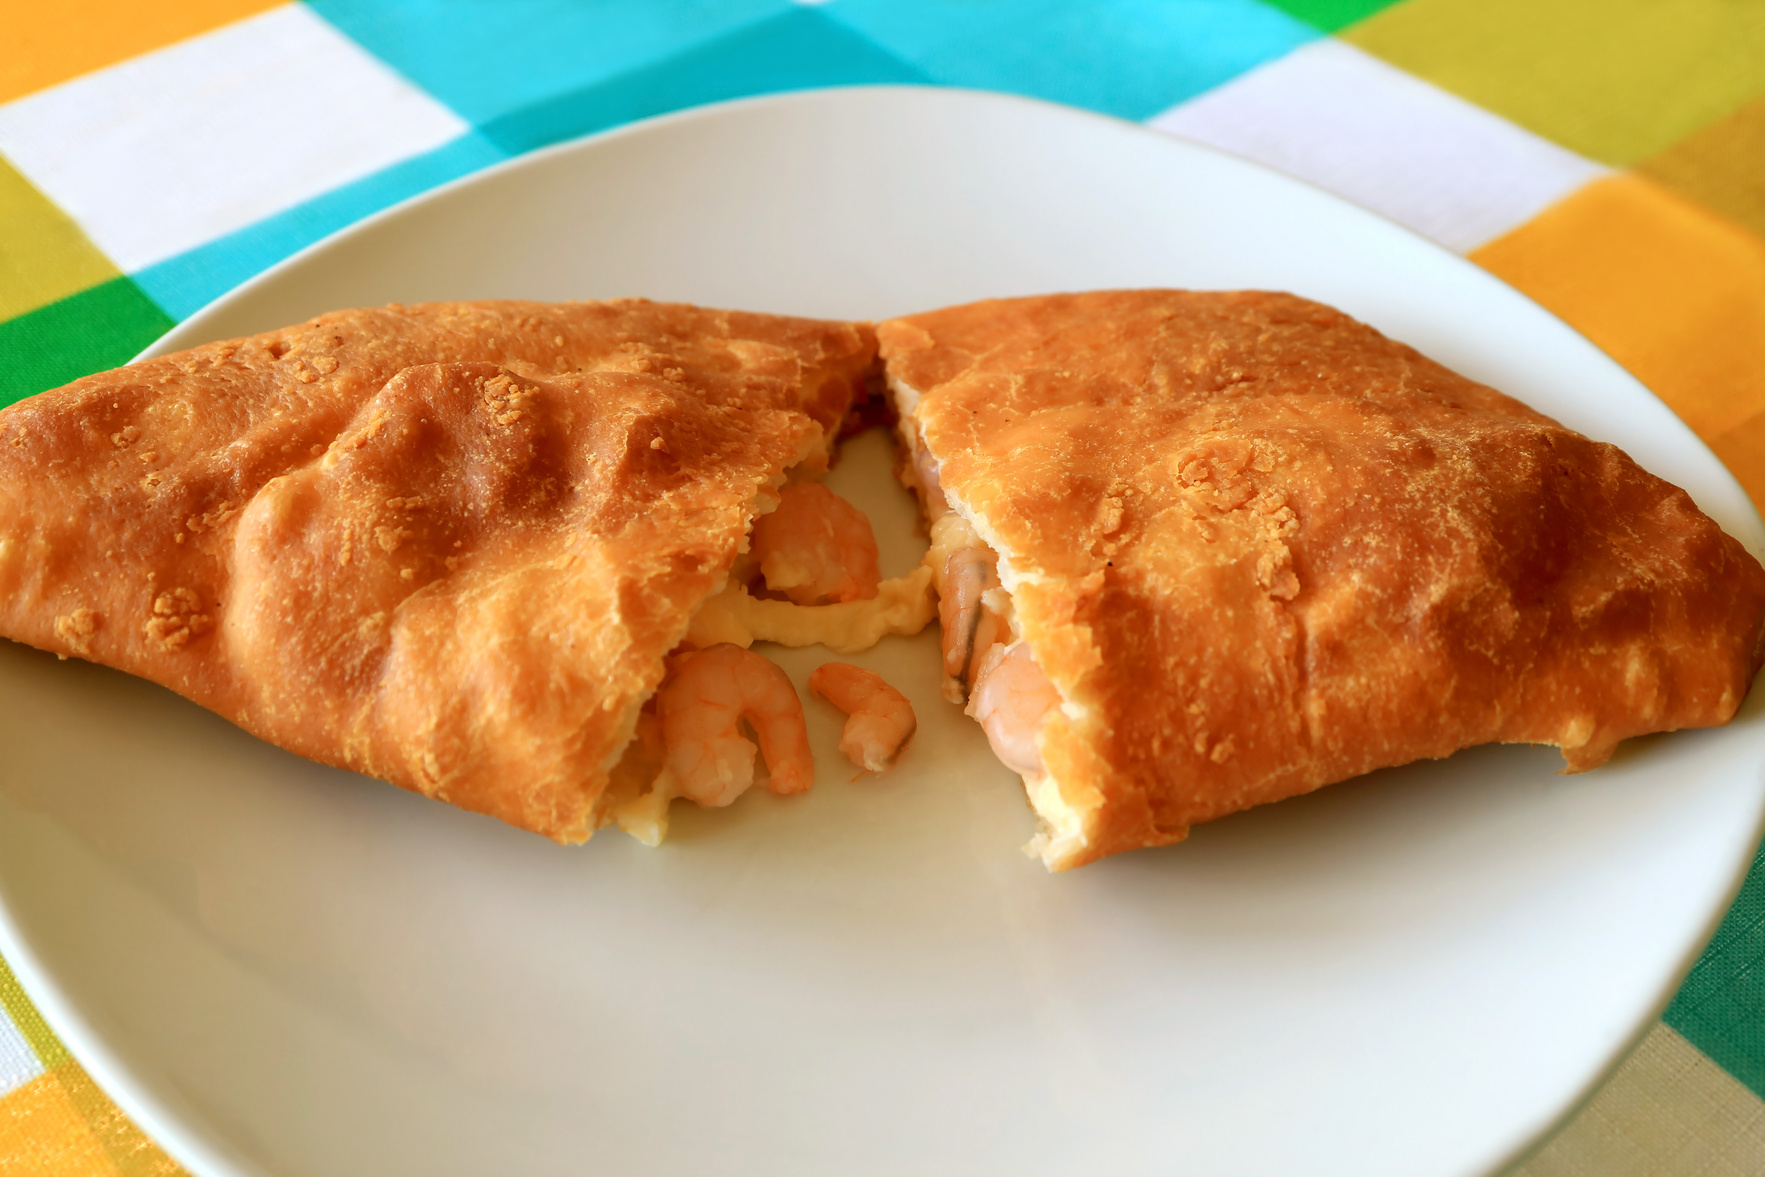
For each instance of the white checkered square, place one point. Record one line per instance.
(18, 1062)
(1348, 122)
(173, 149)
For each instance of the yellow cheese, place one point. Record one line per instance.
(1062, 827)
(904, 605)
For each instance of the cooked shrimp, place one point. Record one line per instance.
(1012, 698)
(816, 547)
(970, 628)
(706, 758)
(931, 491)
(879, 719)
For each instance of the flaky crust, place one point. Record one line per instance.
(1265, 548)
(446, 545)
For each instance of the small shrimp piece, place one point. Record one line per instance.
(705, 756)
(969, 629)
(879, 719)
(816, 547)
(931, 491)
(1011, 699)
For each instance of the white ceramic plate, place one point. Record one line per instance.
(280, 968)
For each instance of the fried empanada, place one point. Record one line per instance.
(1239, 546)
(446, 545)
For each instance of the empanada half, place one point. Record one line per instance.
(1257, 547)
(447, 545)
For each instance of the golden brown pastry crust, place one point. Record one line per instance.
(446, 545)
(1267, 548)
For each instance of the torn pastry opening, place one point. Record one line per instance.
(724, 718)
(990, 664)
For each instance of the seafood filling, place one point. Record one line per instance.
(707, 758)
(989, 668)
(814, 563)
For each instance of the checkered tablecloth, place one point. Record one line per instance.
(1607, 157)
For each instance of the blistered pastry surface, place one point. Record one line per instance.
(1267, 548)
(446, 545)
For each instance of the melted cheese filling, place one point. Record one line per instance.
(644, 817)
(903, 605)
(637, 797)
(1062, 831)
